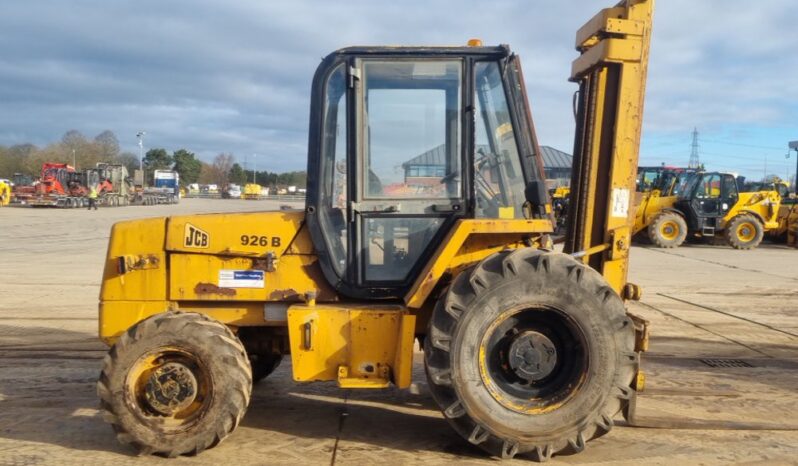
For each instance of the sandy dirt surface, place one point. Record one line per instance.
(703, 303)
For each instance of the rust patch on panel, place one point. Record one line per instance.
(280, 295)
(210, 288)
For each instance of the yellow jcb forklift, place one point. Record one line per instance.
(527, 351)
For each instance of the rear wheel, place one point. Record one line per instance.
(744, 232)
(668, 230)
(530, 353)
(175, 384)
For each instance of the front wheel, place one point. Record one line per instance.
(175, 384)
(668, 230)
(744, 232)
(532, 353)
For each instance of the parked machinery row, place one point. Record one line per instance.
(681, 203)
(674, 204)
(60, 185)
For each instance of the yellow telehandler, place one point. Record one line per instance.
(527, 351)
(705, 204)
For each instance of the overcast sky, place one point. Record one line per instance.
(234, 76)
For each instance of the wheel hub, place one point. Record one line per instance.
(532, 356)
(170, 388)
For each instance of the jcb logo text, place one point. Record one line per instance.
(195, 238)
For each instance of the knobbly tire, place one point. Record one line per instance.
(667, 230)
(744, 232)
(175, 384)
(530, 353)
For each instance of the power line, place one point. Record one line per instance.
(714, 154)
(741, 157)
(715, 141)
(753, 146)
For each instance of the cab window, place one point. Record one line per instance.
(709, 187)
(411, 171)
(729, 188)
(334, 174)
(412, 135)
(647, 180)
(498, 177)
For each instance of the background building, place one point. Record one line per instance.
(557, 165)
(426, 169)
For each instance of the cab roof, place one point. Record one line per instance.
(497, 50)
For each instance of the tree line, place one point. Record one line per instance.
(74, 149)
(224, 170)
(82, 152)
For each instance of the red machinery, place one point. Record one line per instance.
(54, 177)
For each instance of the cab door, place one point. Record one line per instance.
(715, 195)
(707, 197)
(409, 165)
(728, 193)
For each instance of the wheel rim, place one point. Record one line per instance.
(533, 360)
(168, 387)
(669, 230)
(746, 232)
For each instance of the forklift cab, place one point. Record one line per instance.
(706, 199)
(405, 141)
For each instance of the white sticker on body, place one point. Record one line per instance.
(241, 279)
(620, 202)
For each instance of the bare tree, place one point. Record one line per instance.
(108, 145)
(221, 168)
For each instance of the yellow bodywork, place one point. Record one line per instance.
(5, 194)
(359, 346)
(561, 192)
(185, 264)
(762, 204)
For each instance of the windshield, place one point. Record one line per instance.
(498, 177)
(686, 185)
(648, 179)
